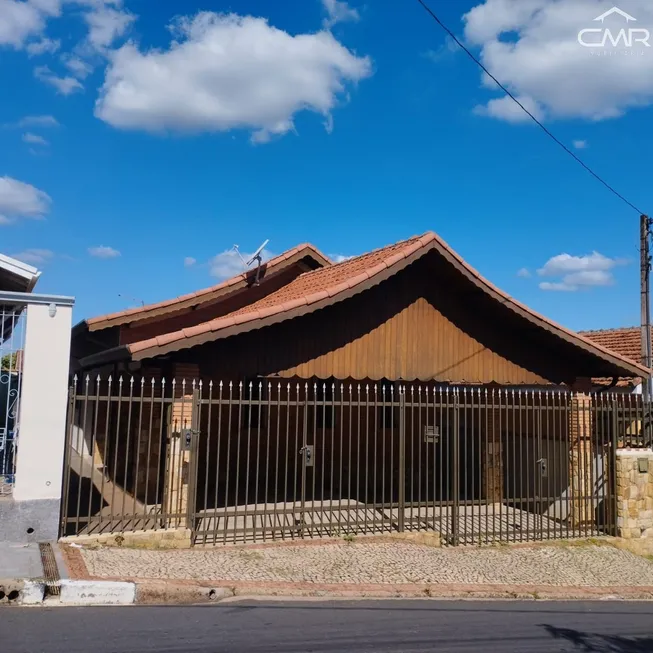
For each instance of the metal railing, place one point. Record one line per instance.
(273, 460)
(12, 340)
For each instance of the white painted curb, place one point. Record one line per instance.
(32, 593)
(97, 592)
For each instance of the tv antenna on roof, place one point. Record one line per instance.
(256, 256)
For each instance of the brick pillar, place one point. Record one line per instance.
(178, 453)
(492, 459)
(635, 493)
(580, 459)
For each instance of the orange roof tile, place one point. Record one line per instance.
(626, 341)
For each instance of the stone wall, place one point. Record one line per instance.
(635, 493)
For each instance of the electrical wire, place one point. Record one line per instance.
(514, 99)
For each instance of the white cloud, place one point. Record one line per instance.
(21, 200)
(45, 45)
(580, 145)
(189, 261)
(78, 67)
(444, 52)
(532, 47)
(64, 85)
(226, 72)
(339, 258)
(102, 251)
(229, 264)
(524, 273)
(106, 24)
(20, 21)
(34, 256)
(38, 121)
(579, 272)
(34, 139)
(506, 109)
(339, 12)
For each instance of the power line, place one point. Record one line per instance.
(523, 108)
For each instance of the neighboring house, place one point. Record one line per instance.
(15, 276)
(390, 386)
(626, 342)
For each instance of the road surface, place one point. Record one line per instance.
(262, 627)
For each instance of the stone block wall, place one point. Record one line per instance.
(634, 493)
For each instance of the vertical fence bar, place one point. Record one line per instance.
(138, 451)
(358, 458)
(276, 465)
(324, 518)
(444, 437)
(402, 459)
(375, 447)
(412, 522)
(332, 445)
(81, 441)
(211, 518)
(455, 508)
(367, 456)
(494, 412)
(67, 455)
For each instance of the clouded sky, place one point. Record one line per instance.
(141, 140)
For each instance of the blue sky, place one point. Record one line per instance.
(349, 126)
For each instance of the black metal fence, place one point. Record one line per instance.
(273, 460)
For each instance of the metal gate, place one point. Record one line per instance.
(12, 343)
(278, 460)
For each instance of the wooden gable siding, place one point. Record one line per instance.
(421, 343)
(422, 324)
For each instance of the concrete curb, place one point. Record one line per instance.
(185, 592)
(96, 592)
(21, 592)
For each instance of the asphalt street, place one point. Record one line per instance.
(406, 626)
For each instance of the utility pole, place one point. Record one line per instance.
(645, 278)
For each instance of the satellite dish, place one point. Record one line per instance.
(256, 256)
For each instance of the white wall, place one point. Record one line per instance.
(43, 404)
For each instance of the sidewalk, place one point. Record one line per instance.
(21, 573)
(371, 567)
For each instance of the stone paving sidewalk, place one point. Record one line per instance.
(588, 565)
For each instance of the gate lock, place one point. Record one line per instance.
(187, 435)
(307, 452)
(542, 462)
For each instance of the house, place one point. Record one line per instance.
(626, 342)
(398, 389)
(411, 311)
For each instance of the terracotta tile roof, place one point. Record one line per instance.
(306, 289)
(318, 288)
(206, 294)
(626, 342)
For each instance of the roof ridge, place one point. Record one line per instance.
(611, 330)
(351, 259)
